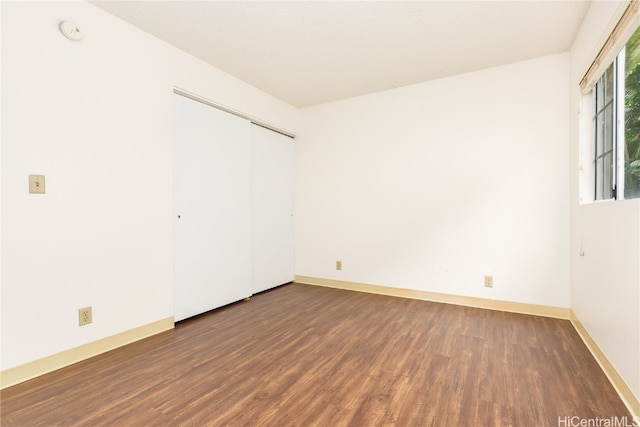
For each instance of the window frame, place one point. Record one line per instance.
(612, 47)
(607, 155)
(605, 140)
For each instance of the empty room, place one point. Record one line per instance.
(320, 213)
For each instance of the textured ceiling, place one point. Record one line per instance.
(310, 52)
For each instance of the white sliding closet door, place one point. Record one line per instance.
(212, 198)
(272, 211)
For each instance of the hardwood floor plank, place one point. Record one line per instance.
(303, 355)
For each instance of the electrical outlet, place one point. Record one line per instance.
(338, 265)
(488, 281)
(84, 316)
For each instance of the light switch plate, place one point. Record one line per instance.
(36, 184)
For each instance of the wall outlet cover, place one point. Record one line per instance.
(488, 281)
(85, 316)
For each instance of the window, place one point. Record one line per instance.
(604, 135)
(616, 126)
(632, 118)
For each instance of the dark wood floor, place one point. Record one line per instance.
(302, 355)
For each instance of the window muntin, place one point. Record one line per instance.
(604, 131)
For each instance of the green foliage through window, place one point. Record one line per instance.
(632, 118)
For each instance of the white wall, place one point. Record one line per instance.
(427, 187)
(96, 118)
(432, 186)
(605, 282)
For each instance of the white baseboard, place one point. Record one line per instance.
(626, 394)
(490, 304)
(21, 373)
